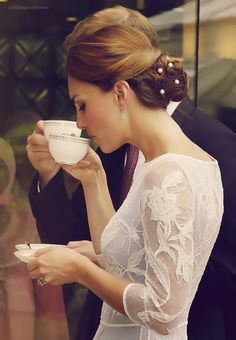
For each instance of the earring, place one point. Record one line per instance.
(123, 113)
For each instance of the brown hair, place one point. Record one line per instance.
(118, 52)
(117, 15)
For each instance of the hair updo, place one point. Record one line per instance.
(117, 15)
(124, 53)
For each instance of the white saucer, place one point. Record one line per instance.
(36, 246)
(25, 255)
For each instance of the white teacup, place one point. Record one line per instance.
(64, 127)
(67, 149)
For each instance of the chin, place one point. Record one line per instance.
(109, 148)
(106, 149)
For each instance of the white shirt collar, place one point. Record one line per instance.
(171, 107)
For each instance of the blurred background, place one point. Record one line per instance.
(33, 86)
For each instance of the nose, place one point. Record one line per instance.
(81, 124)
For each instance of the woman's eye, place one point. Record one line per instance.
(81, 107)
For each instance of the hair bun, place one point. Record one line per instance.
(173, 79)
(161, 83)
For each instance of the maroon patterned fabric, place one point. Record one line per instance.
(131, 161)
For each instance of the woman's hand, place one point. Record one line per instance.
(85, 248)
(58, 265)
(39, 155)
(87, 168)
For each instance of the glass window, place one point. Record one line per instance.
(217, 50)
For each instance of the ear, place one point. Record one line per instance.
(122, 93)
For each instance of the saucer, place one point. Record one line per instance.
(25, 255)
(36, 246)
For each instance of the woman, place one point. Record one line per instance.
(153, 250)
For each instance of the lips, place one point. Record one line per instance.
(88, 135)
(91, 135)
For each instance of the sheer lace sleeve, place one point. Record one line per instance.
(167, 209)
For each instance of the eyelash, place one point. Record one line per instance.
(80, 108)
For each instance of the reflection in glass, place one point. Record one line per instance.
(177, 31)
(217, 51)
(24, 309)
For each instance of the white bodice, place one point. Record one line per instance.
(160, 240)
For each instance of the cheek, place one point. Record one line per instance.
(99, 118)
(103, 116)
(94, 120)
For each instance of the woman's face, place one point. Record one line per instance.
(99, 113)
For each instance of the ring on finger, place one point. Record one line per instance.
(41, 282)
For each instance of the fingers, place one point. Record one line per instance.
(39, 272)
(79, 244)
(81, 165)
(37, 267)
(40, 155)
(85, 248)
(35, 270)
(84, 164)
(42, 161)
(39, 128)
(34, 274)
(37, 140)
(73, 244)
(32, 265)
(42, 251)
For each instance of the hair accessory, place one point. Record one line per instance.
(177, 81)
(160, 70)
(170, 64)
(162, 91)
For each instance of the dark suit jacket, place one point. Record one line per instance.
(210, 316)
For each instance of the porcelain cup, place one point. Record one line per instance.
(64, 127)
(67, 149)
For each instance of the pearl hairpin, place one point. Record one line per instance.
(177, 81)
(162, 91)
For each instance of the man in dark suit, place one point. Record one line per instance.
(210, 316)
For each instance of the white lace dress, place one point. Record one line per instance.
(160, 239)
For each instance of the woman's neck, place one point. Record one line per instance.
(154, 133)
